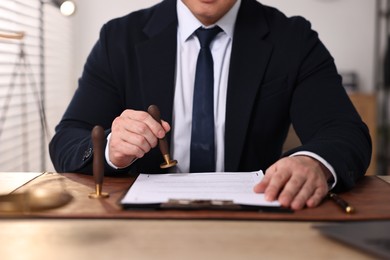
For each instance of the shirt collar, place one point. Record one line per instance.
(188, 23)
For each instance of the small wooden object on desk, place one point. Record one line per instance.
(98, 162)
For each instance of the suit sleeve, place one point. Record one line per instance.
(323, 115)
(96, 102)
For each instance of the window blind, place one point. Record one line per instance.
(26, 49)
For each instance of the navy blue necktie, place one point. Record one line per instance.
(202, 152)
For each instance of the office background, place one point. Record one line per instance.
(349, 28)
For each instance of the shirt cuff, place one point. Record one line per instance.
(324, 162)
(107, 155)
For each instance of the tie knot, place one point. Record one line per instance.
(205, 36)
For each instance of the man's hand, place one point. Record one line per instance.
(133, 134)
(295, 182)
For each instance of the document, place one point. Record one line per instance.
(236, 187)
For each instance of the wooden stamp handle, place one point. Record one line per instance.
(98, 154)
(163, 143)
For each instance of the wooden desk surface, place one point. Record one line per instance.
(173, 239)
(167, 239)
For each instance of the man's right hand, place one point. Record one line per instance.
(133, 134)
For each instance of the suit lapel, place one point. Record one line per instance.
(249, 59)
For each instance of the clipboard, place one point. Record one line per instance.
(199, 191)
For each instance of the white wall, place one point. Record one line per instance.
(58, 68)
(345, 26)
(89, 18)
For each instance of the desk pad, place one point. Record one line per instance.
(370, 198)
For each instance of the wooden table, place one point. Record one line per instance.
(167, 239)
(171, 239)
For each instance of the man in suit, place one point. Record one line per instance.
(269, 71)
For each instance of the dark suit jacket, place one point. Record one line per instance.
(280, 73)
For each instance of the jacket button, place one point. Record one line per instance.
(87, 154)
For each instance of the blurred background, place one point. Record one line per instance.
(43, 48)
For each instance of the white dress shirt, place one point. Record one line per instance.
(187, 53)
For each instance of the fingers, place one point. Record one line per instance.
(301, 195)
(317, 196)
(295, 182)
(141, 122)
(273, 182)
(133, 134)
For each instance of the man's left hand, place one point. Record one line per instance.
(296, 182)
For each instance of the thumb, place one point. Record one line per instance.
(166, 126)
